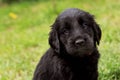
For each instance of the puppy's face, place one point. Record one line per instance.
(76, 32)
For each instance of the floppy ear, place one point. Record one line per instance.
(97, 33)
(54, 40)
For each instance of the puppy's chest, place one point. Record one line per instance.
(76, 71)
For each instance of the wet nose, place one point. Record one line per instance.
(80, 42)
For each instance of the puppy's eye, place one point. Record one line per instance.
(65, 31)
(85, 25)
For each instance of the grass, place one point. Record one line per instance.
(24, 39)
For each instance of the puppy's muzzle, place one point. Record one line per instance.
(80, 42)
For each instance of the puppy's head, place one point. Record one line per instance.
(75, 32)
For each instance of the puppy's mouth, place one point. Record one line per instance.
(80, 51)
(84, 51)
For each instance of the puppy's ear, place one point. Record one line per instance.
(54, 39)
(97, 33)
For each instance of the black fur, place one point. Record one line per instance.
(73, 53)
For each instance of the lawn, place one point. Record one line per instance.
(24, 29)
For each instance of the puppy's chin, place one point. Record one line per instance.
(85, 53)
(81, 52)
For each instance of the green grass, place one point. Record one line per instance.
(24, 40)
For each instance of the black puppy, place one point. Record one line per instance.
(73, 53)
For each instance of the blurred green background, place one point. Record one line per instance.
(24, 29)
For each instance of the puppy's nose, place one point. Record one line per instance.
(80, 42)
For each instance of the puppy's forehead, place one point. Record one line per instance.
(72, 12)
